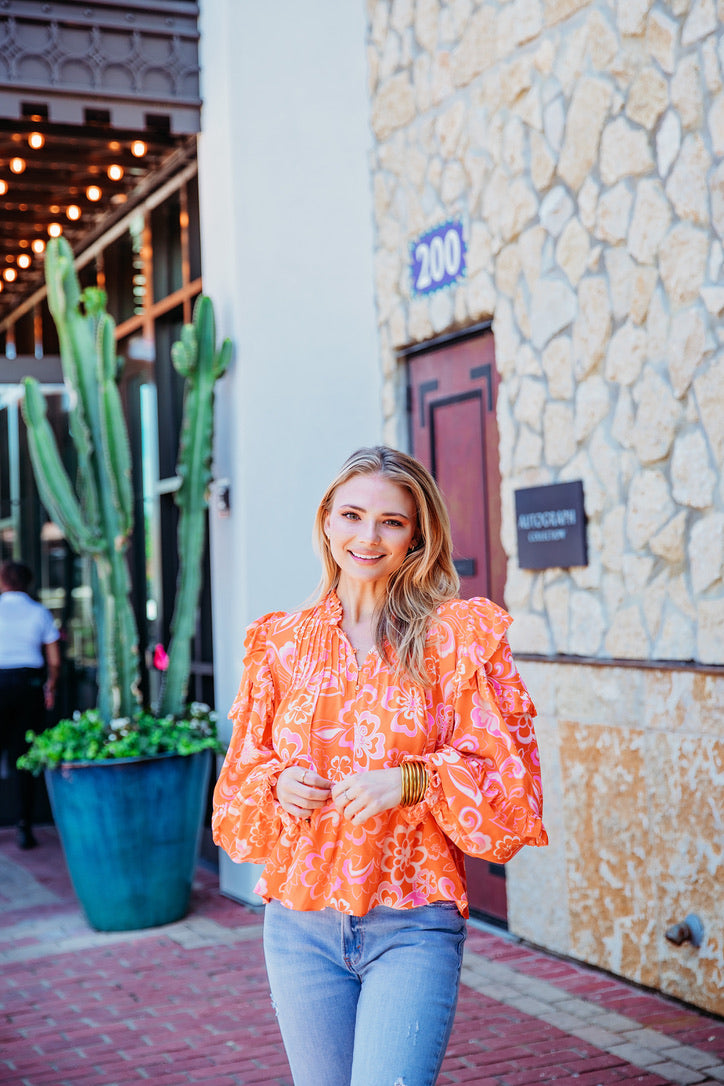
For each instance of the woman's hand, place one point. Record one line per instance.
(364, 795)
(301, 791)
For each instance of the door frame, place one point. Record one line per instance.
(483, 871)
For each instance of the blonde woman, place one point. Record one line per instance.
(379, 735)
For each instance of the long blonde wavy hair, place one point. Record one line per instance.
(426, 578)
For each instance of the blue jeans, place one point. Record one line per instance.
(365, 1000)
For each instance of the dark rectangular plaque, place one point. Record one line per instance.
(465, 567)
(551, 524)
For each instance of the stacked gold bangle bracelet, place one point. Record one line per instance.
(414, 782)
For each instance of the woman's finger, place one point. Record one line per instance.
(301, 791)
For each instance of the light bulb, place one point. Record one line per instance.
(138, 148)
(93, 193)
(115, 172)
(17, 165)
(24, 261)
(73, 212)
(38, 246)
(10, 275)
(55, 230)
(36, 140)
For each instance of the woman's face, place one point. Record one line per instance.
(370, 527)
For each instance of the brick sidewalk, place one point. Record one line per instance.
(189, 1003)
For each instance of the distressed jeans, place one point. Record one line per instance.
(365, 1000)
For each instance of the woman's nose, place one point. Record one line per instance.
(370, 531)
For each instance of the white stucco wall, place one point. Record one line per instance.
(286, 228)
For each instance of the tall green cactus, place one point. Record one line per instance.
(98, 518)
(195, 357)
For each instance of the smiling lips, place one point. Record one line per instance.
(366, 557)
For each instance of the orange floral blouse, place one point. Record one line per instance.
(304, 700)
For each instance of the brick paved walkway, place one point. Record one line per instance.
(189, 1003)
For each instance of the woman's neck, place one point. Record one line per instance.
(360, 601)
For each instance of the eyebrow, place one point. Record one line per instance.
(361, 509)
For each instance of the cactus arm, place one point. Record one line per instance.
(106, 674)
(113, 429)
(223, 358)
(196, 358)
(54, 485)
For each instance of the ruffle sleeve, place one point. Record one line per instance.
(247, 819)
(484, 786)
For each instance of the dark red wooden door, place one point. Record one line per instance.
(455, 434)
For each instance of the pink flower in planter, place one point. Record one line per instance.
(160, 658)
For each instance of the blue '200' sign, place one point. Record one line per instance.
(437, 258)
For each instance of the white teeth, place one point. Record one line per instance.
(366, 557)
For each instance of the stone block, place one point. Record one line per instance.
(650, 222)
(557, 361)
(662, 38)
(613, 213)
(706, 552)
(586, 116)
(692, 476)
(701, 22)
(625, 152)
(657, 417)
(709, 391)
(648, 508)
(687, 184)
(559, 439)
(592, 327)
(553, 308)
(686, 92)
(393, 105)
(689, 342)
(626, 354)
(647, 98)
(555, 11)
(683, 259)
(668, 542)
(668, 142)
(477, 50)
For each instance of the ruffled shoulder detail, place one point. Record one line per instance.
(257, 635)
(473, 634)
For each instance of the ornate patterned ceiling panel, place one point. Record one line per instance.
(131, 65)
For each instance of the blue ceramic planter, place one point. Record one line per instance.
(130, 830)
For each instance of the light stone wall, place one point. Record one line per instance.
(582, 144)
(633, 765)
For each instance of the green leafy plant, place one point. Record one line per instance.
(90, 738)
